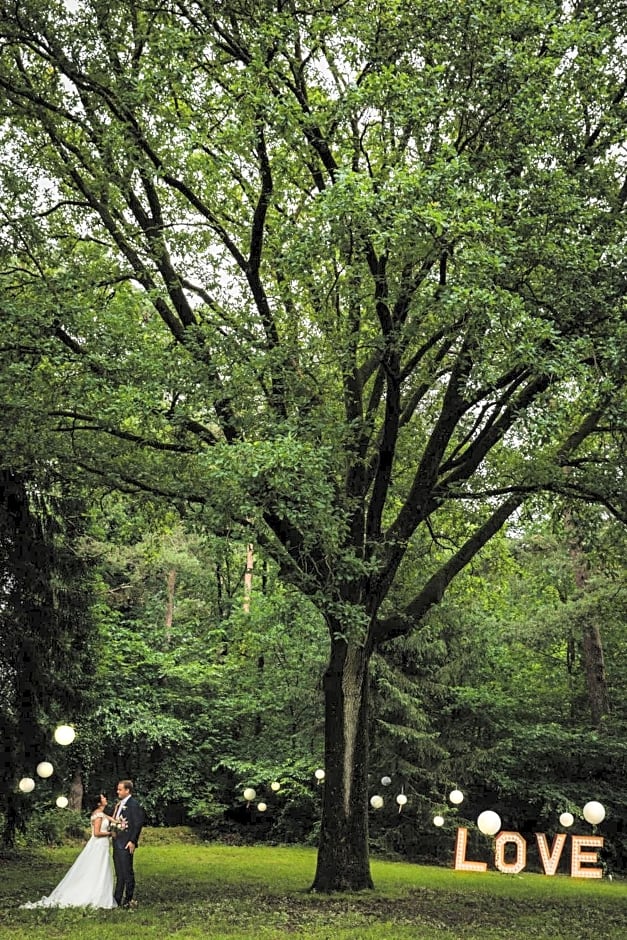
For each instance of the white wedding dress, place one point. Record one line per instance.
(89, 882)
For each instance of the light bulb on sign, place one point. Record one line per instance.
(26, 785)
(64, 735)
(249, 794)
(62, 802)
(376, 801)
(44, 769)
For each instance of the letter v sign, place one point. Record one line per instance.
(551, 860)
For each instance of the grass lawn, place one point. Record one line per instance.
(191, 891)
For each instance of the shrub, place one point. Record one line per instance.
(54, 826)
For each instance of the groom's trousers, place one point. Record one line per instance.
(124, 874)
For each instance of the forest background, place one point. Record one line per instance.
(201, 685)
(346, 285)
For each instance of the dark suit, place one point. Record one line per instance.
(122, 858)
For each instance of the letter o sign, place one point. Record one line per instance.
(510, 838)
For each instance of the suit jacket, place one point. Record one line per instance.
(134, 816)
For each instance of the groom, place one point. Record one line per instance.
(125, 839)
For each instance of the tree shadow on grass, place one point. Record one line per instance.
(441, 910)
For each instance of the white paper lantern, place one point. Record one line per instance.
(594, 812)
(489, 822)
(386, 781)
(376, 801)
(45, 769)
(262, 807)
(26, 784)
(456, 796)
(567, 819)
(401, 799)
(319, 775)
(62, 802)
(249, 794)
(276, 786)
(438, 820)
(64, 735)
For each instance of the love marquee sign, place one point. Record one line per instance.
(581, 862)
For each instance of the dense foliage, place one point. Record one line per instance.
(490, 695)
(48, 636)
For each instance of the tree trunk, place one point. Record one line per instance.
(11, 821)
(169, 607)
(343, 861)
(75, 801)
(592, 646)
(596, 679)
(248, 577)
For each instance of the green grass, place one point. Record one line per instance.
(191, 891)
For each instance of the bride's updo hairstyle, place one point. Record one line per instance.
(94, 801)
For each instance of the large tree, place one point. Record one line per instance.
(46, 631)
(347, 276)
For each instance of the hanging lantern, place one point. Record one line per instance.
(386, 781)
(319, 775)
(250, 794)
(594, 812)
(401, 799)
(376, 801)
(456, 796)
(26, 785)
(489, 822)
(276, 786)
(567, 819)
(45, 769)
(62, 802)
(64, 735)
(262, 807)
(438, 820)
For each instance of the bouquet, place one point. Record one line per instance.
(119, 824)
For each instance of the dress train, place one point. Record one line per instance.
(89, 882)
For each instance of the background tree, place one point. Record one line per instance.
(221, 700)
(517, 720)
(349, 279)
(47, 632)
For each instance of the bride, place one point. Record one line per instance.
(89, 882)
